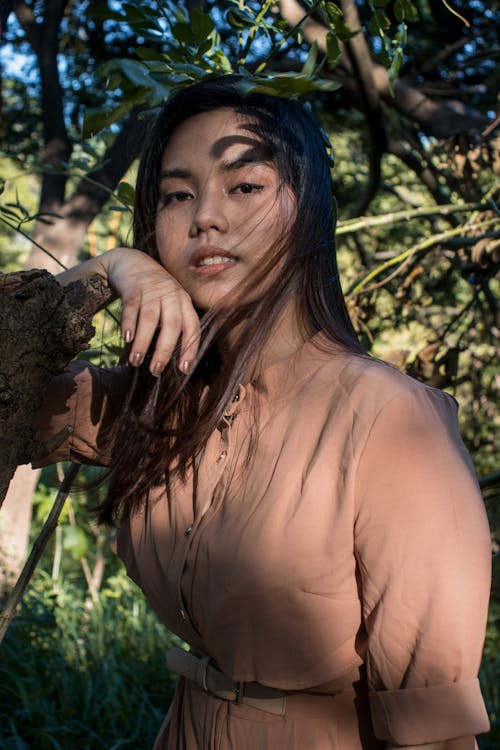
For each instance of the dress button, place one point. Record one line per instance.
(182, 613)
(189, 529)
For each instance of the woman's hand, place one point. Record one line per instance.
(152, 299)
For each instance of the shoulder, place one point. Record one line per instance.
(369, 386)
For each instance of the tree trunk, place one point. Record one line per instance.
(44, 325)
(15, 525)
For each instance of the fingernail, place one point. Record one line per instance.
(127, 336)
(185, 366)
(136, 359)
(157, 369)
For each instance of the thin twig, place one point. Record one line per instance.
(396, 217)
(404, 258)
(36, 551)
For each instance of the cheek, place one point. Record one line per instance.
(277, 223)
(165, 233)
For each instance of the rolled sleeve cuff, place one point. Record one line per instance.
(429, 714)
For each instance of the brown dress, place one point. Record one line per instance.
(349, 563)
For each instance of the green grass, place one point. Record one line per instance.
(71, 677)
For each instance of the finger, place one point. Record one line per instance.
(170, 330)
(147, 324)
(190, 336)
(130, 311)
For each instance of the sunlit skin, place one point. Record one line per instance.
(222, 206)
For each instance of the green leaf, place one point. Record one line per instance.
(201, 24)
(333, 48)
(137, 13)
(136, 72)
(333, 11)
(132, 12)
(146, 53)
(126, 193)
(9, 212)
(381, 20)
(238, 19)
(98, 118)
(399, 10)
(19, 206)
(182, 33)
(381, 3)
(205, 48)
(342, 30)
(411, 13)
(287, 85)
(396, 63)
(310, 63)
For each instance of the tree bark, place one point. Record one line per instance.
(358, 54)
(15, 525)
(44, 325)
(44, 40)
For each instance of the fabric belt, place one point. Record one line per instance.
(201, 670)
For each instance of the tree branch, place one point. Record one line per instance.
(441, 119)
(361, 64)
(93, 191)
(44, 39)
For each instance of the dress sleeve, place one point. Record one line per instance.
(85, 399)
(423, 550)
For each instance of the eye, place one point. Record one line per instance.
(179, 196)
(246, 188)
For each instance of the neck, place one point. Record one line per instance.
(285, 338)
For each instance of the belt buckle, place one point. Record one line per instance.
(239, 690)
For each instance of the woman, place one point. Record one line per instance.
(304, 516)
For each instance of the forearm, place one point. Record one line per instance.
(98, 266)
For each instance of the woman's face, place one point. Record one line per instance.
(221, 207)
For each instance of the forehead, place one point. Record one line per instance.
(215, 135)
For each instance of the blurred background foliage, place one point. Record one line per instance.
(407, 90)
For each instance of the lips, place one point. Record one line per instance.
(211, 260)
(209, 252)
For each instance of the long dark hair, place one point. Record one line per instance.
(166, 423)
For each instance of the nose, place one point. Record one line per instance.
(209, 213)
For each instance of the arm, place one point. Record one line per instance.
(423, 548)
(87, 400)
(151, 299)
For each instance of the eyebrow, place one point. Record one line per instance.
(165, 174)
(242, 161)
(252, 156)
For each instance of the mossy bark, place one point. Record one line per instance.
(43, 325)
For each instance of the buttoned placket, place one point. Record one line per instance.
(212, 472)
